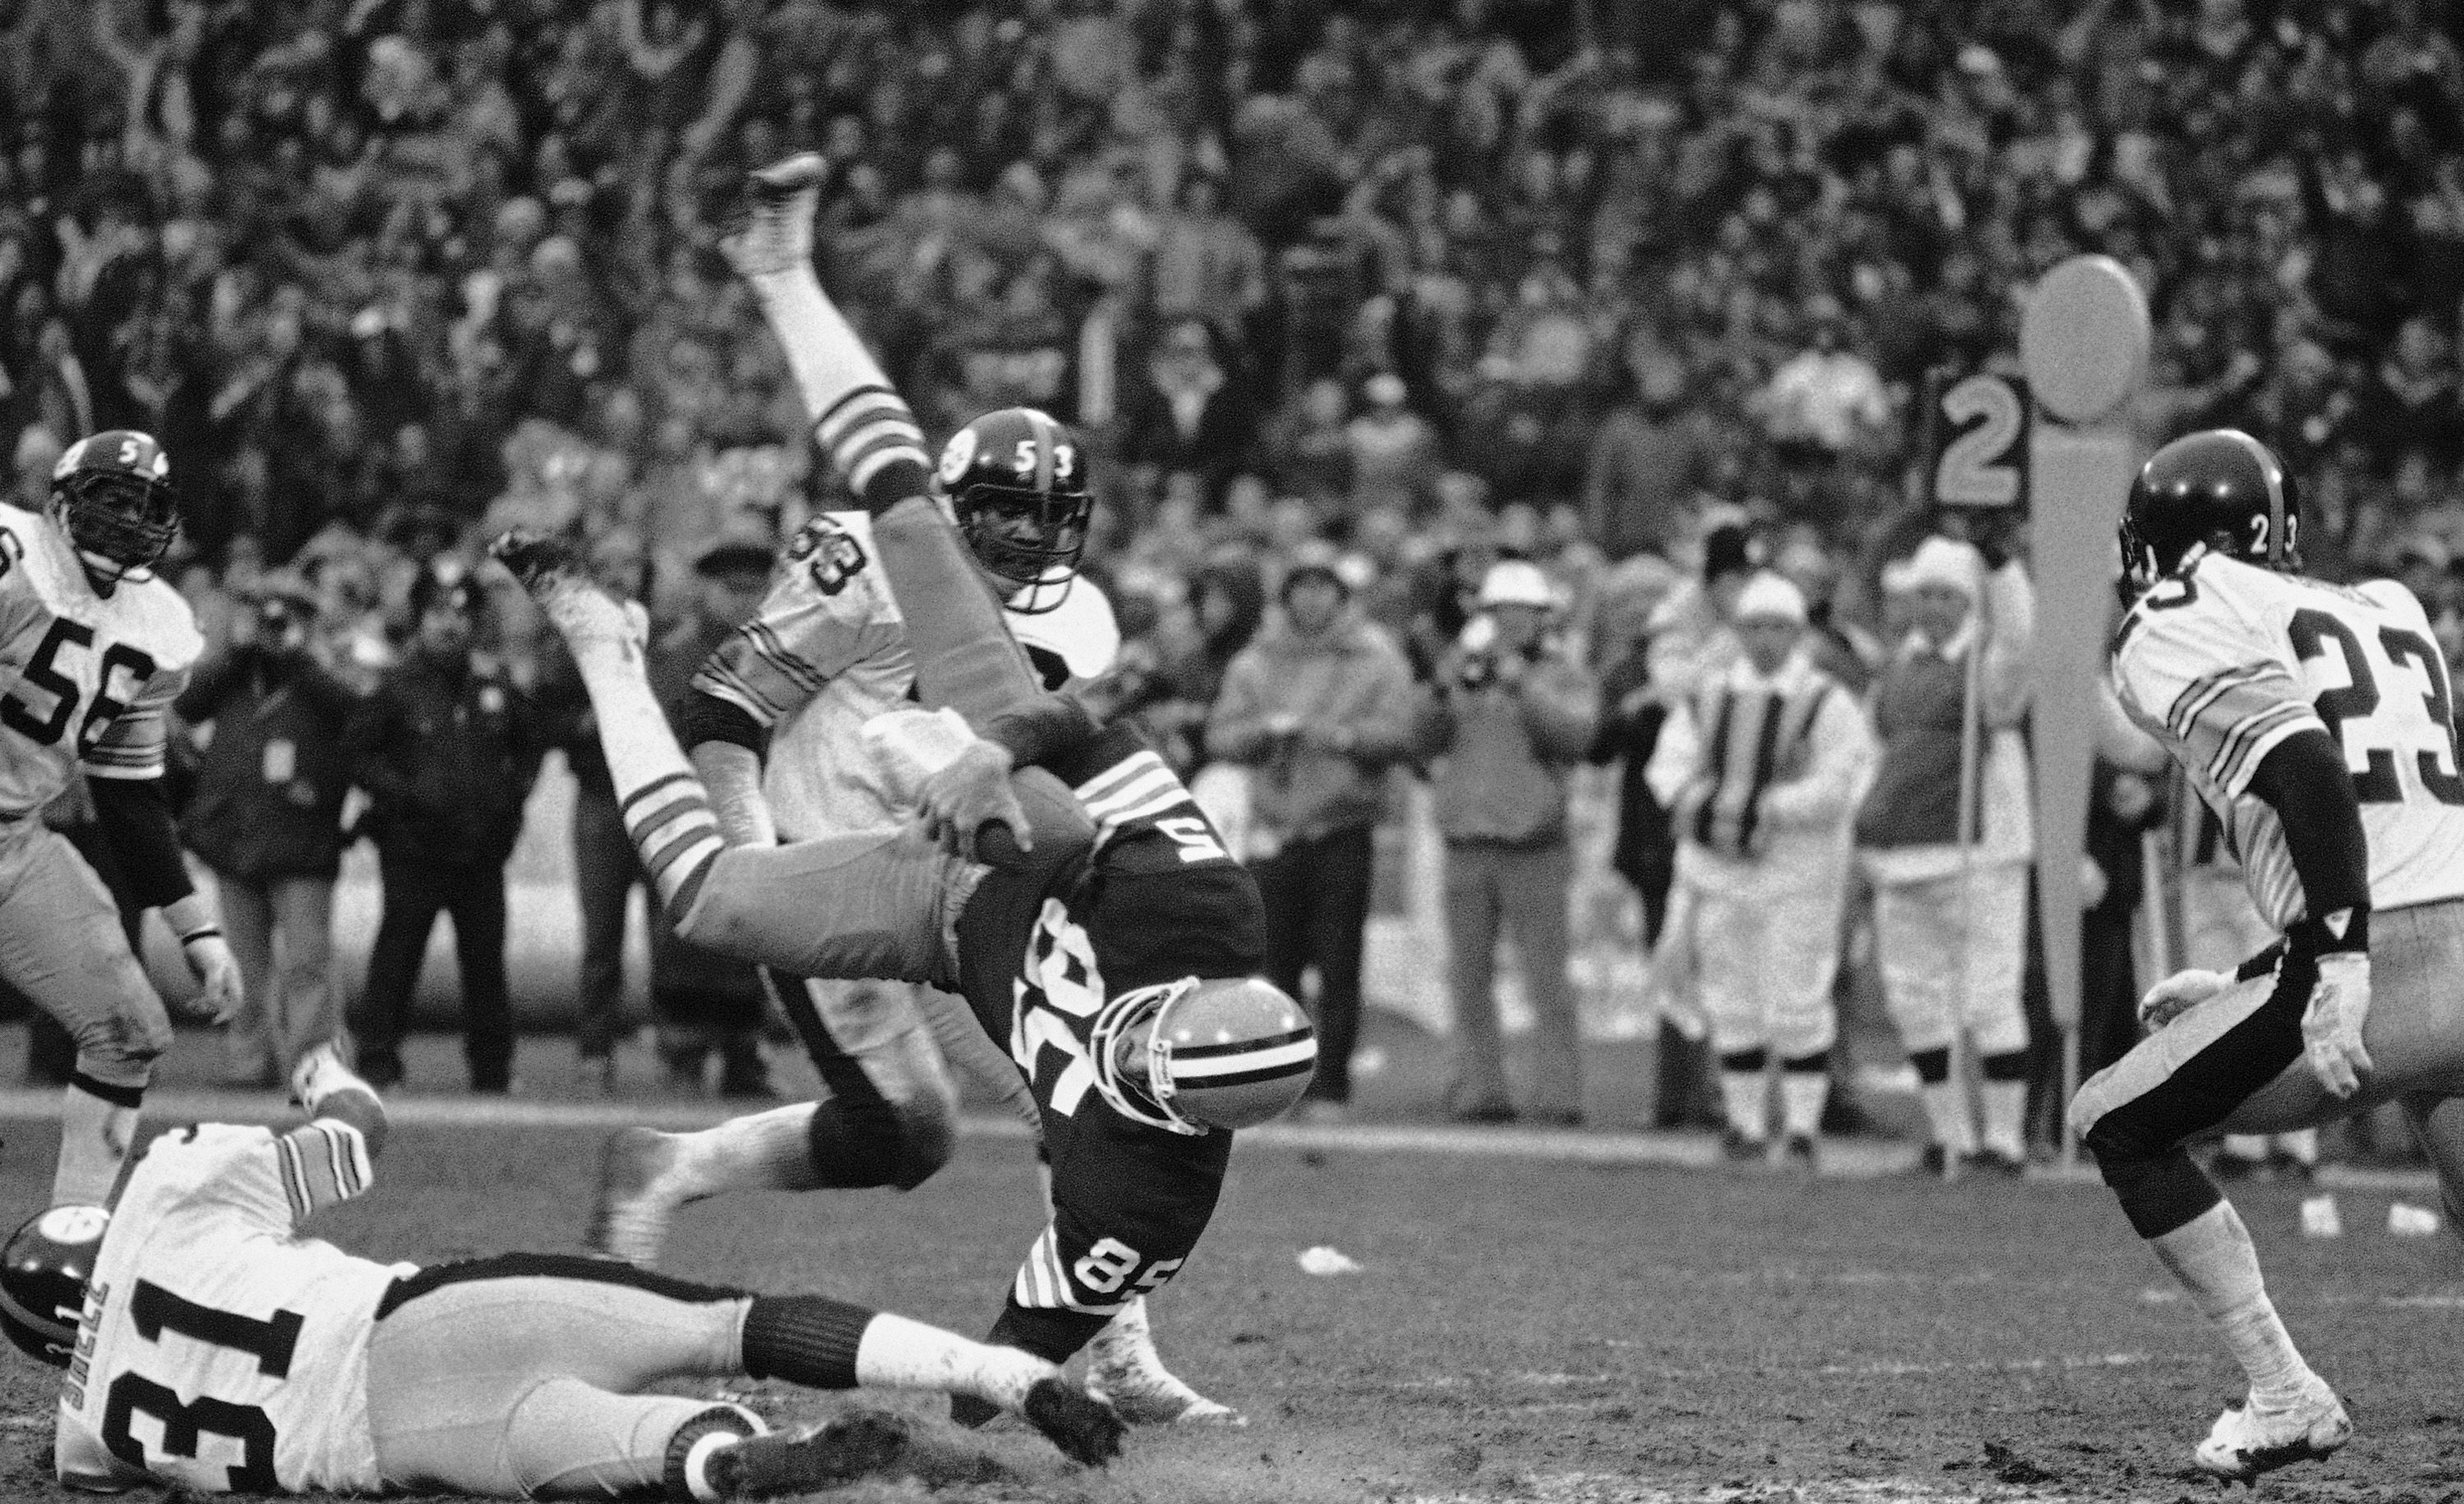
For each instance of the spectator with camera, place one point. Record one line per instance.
(1508, 716)
(266, 818)
(447, 748)
(1320, 707)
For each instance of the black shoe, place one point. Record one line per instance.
(2227, 1166)
(1935, 1163)
(1487, 1113)
(1086, 1429)
(1563, 1118)
(806, 1462)
(2286, 1168)
(1738, 1149)
(1796, 1152)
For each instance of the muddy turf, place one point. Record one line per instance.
(1530, 1330)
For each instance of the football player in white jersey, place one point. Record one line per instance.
(2318, 722)
(209, 1346)
(775, 729)
(94, 647)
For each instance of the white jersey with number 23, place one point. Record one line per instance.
(2223, 660)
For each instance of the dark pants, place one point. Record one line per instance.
(415, 894)
(605, 871)
(1316, 898)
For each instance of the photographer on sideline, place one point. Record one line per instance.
(267, 819)
(1509, 713)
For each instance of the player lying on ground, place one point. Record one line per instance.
(516, 1377)
(1118, 962)
(2317, 721)
(773, 729)
(94, 647)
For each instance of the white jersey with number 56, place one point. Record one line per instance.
(2223, 660)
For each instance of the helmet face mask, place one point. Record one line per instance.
(112, 495)
(1015, 483)
(1191, 1055)
(2221, 492)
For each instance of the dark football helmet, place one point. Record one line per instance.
(2220, 489)
(1190, 1055)
(1016, 481)
(112, 495)
(43, 1270)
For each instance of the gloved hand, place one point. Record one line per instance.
(2331, 1025)
(2177, 994)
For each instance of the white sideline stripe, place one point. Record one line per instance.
(1850, 1158)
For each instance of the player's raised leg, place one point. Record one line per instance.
(964, 656)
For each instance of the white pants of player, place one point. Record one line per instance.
(1952, 965)
(1764, 965)
(62, 947)
(529, 1387)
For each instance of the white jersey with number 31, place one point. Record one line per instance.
(2224, 660)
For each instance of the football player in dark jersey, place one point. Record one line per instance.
(1110, 938)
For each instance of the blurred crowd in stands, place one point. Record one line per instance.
(1399, 290)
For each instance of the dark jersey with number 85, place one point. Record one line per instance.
(1154, 899)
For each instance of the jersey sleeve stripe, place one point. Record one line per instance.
(1112, 777)
(1160, 780)
(2248, 744)
(1170, 798)
(2202, 692)
(767, 645)
(723, 681)
(129, 771)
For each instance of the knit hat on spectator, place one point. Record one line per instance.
(1514, 582)
(1771, 597)
(1313, 560)
(1942, 561)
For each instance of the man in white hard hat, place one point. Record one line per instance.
(1510, 714)
(1761, 768)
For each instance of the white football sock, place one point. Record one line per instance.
(1745, 1096)
(2212, 1256)
(1801, 1095)
(2245, 1145)
(2301, 1143)
(759, 1151)
(94, 1139)
(901, 1354)
(2004, 1105)
(1946, 1109)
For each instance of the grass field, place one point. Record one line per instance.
(1527, 1328)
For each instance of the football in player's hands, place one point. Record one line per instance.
(1086, 1429)
(2177, 994)
(973, 792)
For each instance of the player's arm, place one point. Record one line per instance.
(123, 769)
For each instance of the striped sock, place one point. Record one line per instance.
(670, 825)
(872, 436)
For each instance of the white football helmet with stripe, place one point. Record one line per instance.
(1190, 1055)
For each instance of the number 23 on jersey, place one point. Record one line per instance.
(2384, 693)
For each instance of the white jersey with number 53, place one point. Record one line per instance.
(2224, 660)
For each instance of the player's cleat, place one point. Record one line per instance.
(1086, 1429)
(1124, 1370)
(854, 1446)
(635, 1203)
(2248, 1440)
(1796, 1152)
(558, 579)
(777, 232)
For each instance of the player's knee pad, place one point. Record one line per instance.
(865, 1138)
